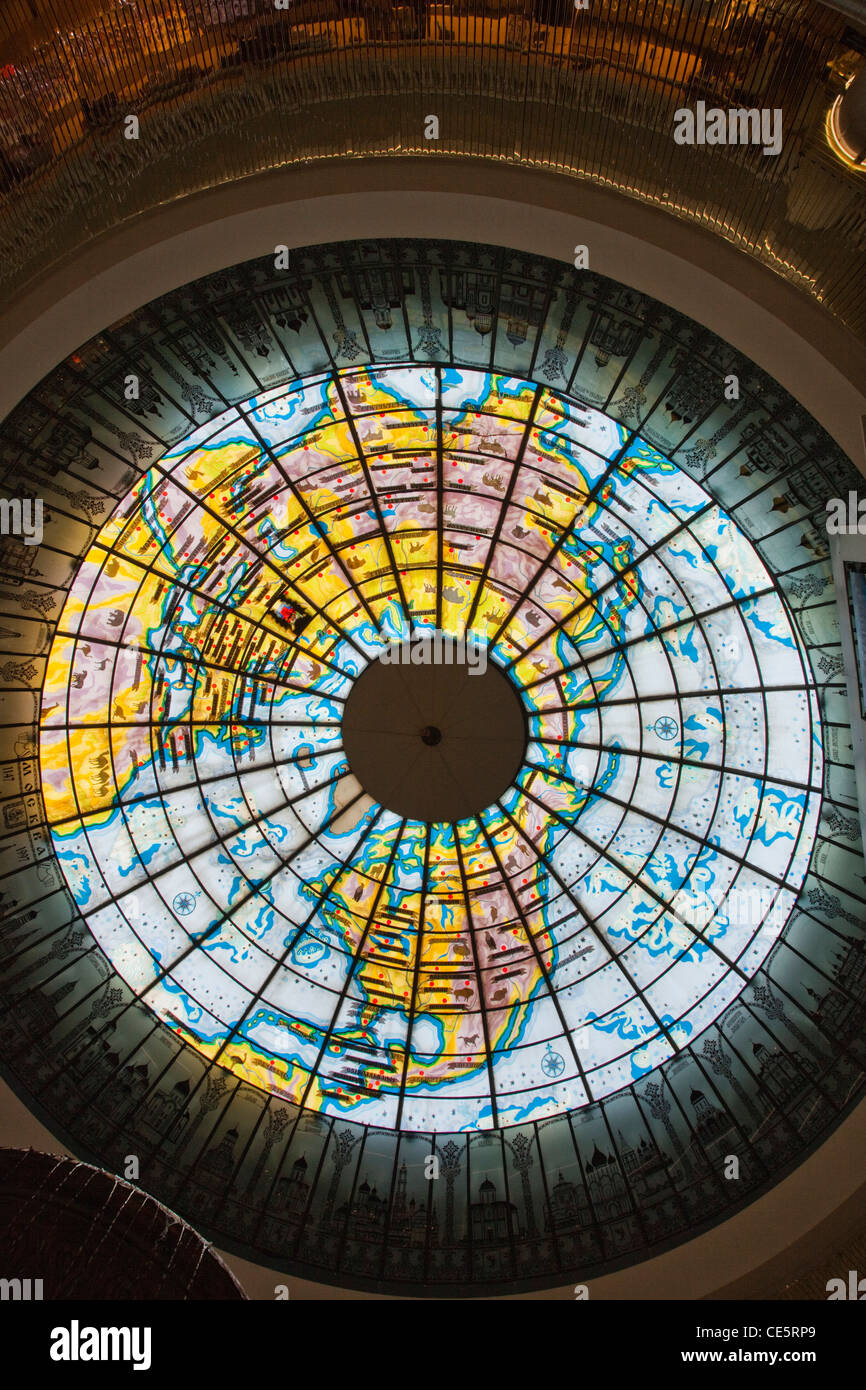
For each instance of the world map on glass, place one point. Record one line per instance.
(532, 958)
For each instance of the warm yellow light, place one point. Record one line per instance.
(837, 143)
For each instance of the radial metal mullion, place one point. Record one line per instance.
(440, 499)
(413, 1008)
(482, 1003)
(506, 500)
(567, 1033)
(567, 533)
(637, 880)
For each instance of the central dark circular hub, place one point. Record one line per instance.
(434, 742)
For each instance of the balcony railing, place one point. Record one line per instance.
(223, 89)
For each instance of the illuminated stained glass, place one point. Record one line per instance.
(537, 955)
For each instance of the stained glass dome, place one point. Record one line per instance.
(502, 960)
(430, 822)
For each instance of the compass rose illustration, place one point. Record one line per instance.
(666, 727)
(552, 1063)
(183, 903)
